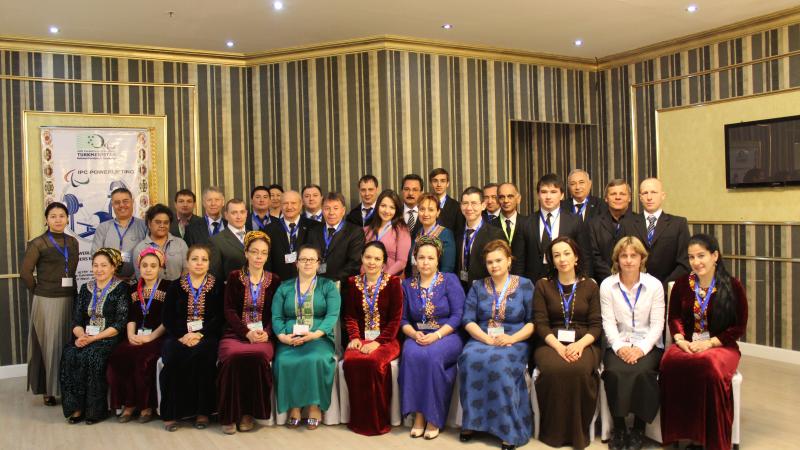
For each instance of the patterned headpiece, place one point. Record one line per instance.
(112, 254)
(429, 240)
(253, 235)
(149, 250)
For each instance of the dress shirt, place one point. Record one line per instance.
(503, 224)
(238, 232)
(647, 214)
(648, 313)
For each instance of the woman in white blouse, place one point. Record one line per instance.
(632, 305)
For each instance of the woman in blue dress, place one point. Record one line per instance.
(498, 317)
(432, 310)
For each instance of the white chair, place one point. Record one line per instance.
(394, 405)
(536, 411)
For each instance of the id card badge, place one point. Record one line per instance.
(464, 275)
(290, 258)
(704, 336)
(299, 330)
(66, 282)
(637, 337)
(126, 256)
(255, 326)
(371, 335)
(93, 330)
(423, 326)
(323, 268)
(567, 336)
(143, 332)
(194, 325)
(495, 331)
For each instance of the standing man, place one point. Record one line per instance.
(665, 236)
(212, 222)
(476, 234)
(492, 211)
(227, 246)
(368, 191)
(122, 232)
(287, 234)
(450, 211)
(605, 229)
(582, 203)
(260, 202)
(517, 228)
(275, 194)
(341, 242)
(312, 202)
(412, 191)
(184, 212)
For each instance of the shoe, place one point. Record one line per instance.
(201, 424)
(247, 425)
(293, 422)
(229, 429)
(72, 420)
(417, 432)
(635, 439)
(431, 434)
(171, 427)
(617, 441)
(505, 446)
(465, 436)
(91, 421)
(144, 418)
(312, 423)
(49, 400)
(124, 418)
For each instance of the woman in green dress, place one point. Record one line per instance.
(305, 311)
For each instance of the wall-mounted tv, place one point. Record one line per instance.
(763, 153)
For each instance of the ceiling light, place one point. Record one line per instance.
(691, 8)
(578, 42)
(54, 30)
(229, 44)
(447, 26)
(277, 5)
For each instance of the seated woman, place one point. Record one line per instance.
(99, 315)
(246, 349)
(433, 304)
(131, 371)
(388, 227)
(568, 320)
(632, 306)
(429, 210)
(193, 320)
(707, 314)
(304, 313)
(373, 307)
(499, 319)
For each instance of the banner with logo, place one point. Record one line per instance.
(80, 168)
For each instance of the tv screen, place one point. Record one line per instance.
(763, 153)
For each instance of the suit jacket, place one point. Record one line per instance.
(344, 253)
(227, 254)
(603, 236)
(248, 225)
(595, 207)
(476, 268)
(519, 242)
(668, 258)
(569, 225)
(175, 230)
(280, 246)
(197, 232)
(450, 215)
(354, 216)
(496, 220)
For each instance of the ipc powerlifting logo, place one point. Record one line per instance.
(73, 177)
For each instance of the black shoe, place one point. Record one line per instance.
(91, 421)
(635, 439)
(465, 436)
(49, 400)
(76, 419)
(505, 446)
(617, 441)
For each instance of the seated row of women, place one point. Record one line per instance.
(219, 351)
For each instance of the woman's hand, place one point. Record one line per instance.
(309, 337)
(561, 349)
(190, 339)
(683, 345)
(427, 339)
(369, 348)
(503, 340)
(256, 336)
(631, 355)
(355, 344)
(135, 339)
(700, 346)
(574, 351)
(83, 341)
(285, 339)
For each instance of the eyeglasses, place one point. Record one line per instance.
(257, 253)
(307, 260)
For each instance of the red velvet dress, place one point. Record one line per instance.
(244, 383)
(696, 396)
(369, 377)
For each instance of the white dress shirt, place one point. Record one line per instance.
(644, 326)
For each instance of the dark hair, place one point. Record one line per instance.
(121, 190)
(438, 171)
(550, 179)
(233, 201)
(413, 177)
(725, 300)
(186, 193)
(471, 190)
(198, 246)
(334, 197)
(429, 197)
(380, 246)
(275, 186)
(579, 268)
(310, 247)
(490, 185)
(367, 178)
(497, 244)
(311, 186)
(55, 205)
(397, 221)
(259, 188)
(157, 209)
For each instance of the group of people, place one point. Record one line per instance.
(240, 302)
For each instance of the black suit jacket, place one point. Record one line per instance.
(603, 236)
(496, 220)
(175, 230)
(518, 243)
(248, 225)
(280, 246)
(595, 207)
(569, 225)
(344, 253)
(197, 232)
(227, 254)
(476, 268)
(450, 215)
(668, 258)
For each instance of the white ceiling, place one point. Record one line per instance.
(606, 26)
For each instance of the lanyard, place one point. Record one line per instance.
(442, 202)
(301, 298)
(468, 243)
(548, 228)
(371, 300)
(430, 232)
(164, 248)
(208, 226)
(371, 213)
(261, 224)
(582, 209)
(64, 252)
(703, 302)
(426, 294)
(329, 237)
(292, 234)
(146, 309)
(102, 295)
(567, 302)
(195, 292)
(122, 235)
(628, 301)
(508, 230)
(255, 292)
(498, 298)
(383, 231)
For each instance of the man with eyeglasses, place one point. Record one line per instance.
(341, 242)
(227, 246)
(287, 234)
(123, 232)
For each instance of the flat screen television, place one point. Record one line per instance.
(763, 153)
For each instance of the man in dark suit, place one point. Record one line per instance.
(605, 229)
(259, 218)
(513, 224)
(581, 202)
(212, 222)
(368, 191)
(312, 202)
(287, 235)
(227, 246)
(493, 208)
(184, 213)
(665, 236)
(470, 242)
(341, 242)
(450, 215)
(412, 191)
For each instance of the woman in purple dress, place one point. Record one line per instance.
(433, 305)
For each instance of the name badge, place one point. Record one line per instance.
(426, 326)
(464, 275)
(637, 336)
(93, 330)
(567, 336)
(323, 268)
(290, 258)
(126, 256)
(255, 326)
(371, 335)
(194, 325)
(66, 282)
(143, 332)
(704, 336)
(495, 331)
(300, 330)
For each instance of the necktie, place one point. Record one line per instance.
(546, 237)
(578, 210)
(240, 235)
(651, 226)
(317, 217)
(508, 229)
(293, 242)
(365, 211)
(214, 228)
(490, 217)
(331, 230)
(467, 251)
(411, 220)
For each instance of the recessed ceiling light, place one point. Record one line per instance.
(447, 26)
(54, 30)
(691, 8)
(229, 44)
(578, 42)
(277, 5)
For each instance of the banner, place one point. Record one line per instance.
(80, 168)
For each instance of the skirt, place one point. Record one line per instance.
(49, 332)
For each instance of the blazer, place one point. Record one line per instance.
(175, 230)
(279, 246)
(344, 253)
(248, 225)
(227, 254)
(495, 220)
(595, 207)
(450, 215)
(476, 268)
(668, 259)
(569, 225)
(604, 232)
(197, 232)
(519, 240)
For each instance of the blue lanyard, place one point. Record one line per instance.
(628, 301)
(433, 228)
(255, 292)
(195, 292)
(328, 239)
(703, 301)
(122, 235)
(468, 243)
(102, 295)
(64, 251)
(498, 298)
(371, 300)
(548, 228)
(261, 224)
(301, 297)
(442, 202)
(371, 213)
(163, 249)
(383, 231)
(292, 234)
(208, 226)
(426, 294)
(566, 303)
(146, 309)
(583, 208)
